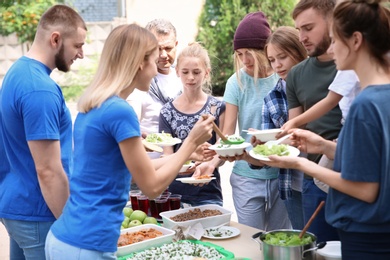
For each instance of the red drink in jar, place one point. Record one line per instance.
(174, 201)
(162, 204)
(134, 199)
(143, 203)
(153, 209)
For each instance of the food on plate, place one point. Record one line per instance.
(129, 238)
(178, 250)
(287, 239)
(267, 150)
(203, 177)
(160, 138)
(195, 214)
(218, 232)
(149, 147)
(233, 139)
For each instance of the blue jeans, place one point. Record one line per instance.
(295, 210)
(27, 238)
(58, 250)
(311, 198)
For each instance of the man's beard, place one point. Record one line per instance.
(322, 47)
(60, 60)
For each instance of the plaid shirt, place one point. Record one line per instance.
(274, 115)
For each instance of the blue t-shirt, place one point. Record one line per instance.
(363, 155)
(100, 183)
(249, 101)
(32, 107)
(179, 125)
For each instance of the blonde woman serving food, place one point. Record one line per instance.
(108, 150)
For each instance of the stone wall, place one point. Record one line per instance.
(11, 50)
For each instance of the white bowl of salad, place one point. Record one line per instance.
(162, 139)
(228, 150)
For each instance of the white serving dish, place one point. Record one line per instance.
(229, 149)
(332, 250)
(206, 222)
(266, 135)
(158, 241)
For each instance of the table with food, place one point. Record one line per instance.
(204, 232)
(162, 229)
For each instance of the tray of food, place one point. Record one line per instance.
(183, 249)
(143, 237)
(208, 215)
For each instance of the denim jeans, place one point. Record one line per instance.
(295, 210)
(58, 250)
(311, 198)
(27, 238)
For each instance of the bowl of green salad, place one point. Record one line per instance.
(285, 244)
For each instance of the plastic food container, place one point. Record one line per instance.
(206, 222)
(332, 251)
(226, 254)
(158, 241)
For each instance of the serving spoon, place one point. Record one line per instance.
(224, 139)
(311, 219)
(276, 142)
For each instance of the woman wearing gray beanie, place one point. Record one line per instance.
(255, 191)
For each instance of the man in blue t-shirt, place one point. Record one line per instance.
(36, 133)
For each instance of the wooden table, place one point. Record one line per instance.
(242, 246)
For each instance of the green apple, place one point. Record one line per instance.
(138, 215)
(127, 211)
(150, 220)
(134, 223)
(125, 222)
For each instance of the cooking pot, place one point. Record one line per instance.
(274, 252)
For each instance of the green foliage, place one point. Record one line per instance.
(218, 22)
(74, 83)
(72, 93)
(22, 17)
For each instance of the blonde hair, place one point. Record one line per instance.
(125, 49)
(196, 50)
(261, 66)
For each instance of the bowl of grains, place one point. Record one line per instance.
(208, 215)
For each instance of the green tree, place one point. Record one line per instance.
(218, 22)
(22, 17)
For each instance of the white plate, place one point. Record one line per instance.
(185, 167)
(193, 180)
(294, 152)
(171, 143)
(232, 232)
